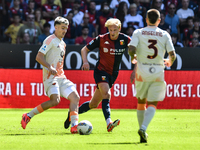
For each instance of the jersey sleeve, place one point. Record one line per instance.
(46, 46)
(95, 43)
(134, 41)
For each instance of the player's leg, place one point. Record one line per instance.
(106, 95)
(97, 97)
(156, 93)
(93, 103)
(53, 93)
(141, 108)
(142, 90)
(74, 102)
(54, 100)
(141, 95)
(69, 92)
(149, 114)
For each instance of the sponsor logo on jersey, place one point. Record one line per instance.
(91, 42)
(121, 42)
(106, 42)
(105, 50)
(103, 78)
(152, 69)
(44, 47)
(117, 50)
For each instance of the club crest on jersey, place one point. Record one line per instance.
(62, 53)
(105, 50)
(103, 78)
(121, 42)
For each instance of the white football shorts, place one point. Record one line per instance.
(60, 86)
(152, 91)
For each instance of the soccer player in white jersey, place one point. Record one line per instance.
(150, 44)
(51, 57)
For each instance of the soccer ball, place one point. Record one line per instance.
(84, 127)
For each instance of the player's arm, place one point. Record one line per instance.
(132, 53)
(84, 52)
(40, 58)
(170, 61)
(132, 77)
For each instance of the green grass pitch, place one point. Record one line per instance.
(169, 130)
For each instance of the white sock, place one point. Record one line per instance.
(35, 111)
(148, 116)
(74, 118)
(140, 117)
(108, 121)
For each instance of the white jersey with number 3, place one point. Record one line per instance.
(151, 45)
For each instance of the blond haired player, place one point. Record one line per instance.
(51, 56)
(150, 44)
(112, 46)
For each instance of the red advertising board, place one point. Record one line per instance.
(23, 88)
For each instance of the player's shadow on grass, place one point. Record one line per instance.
(23, 134)
(120, 143)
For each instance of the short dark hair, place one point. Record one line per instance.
(153, 15)
(15, 15)
(85, 27)
(130, 26)
(70, 12)
(47, 25)
(189, 18)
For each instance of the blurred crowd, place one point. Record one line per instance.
(31, 21)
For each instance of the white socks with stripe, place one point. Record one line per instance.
(148, 116)
(74, 118)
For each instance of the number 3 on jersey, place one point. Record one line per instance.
(152, 46)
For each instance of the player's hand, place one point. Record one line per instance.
(132, 77)
(85, 66)
(52, 70)
(134, 60)
(167, 62)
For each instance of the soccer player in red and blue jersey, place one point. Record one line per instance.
(112, 46)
